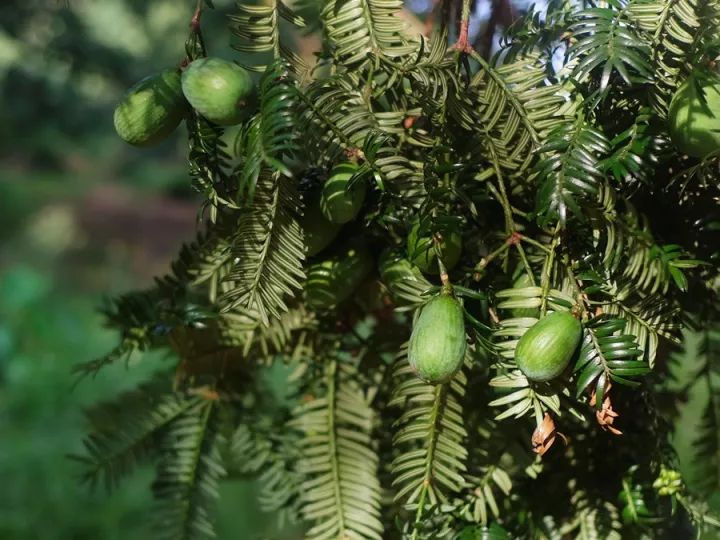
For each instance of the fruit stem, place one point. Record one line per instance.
(501, 196)
(195, 21)
(479, 267)
(526, 264)
(582, 297)
(195, 44)
(444, 278)
(515, 239)
(547, 270)
(535, 243)
(462, 44)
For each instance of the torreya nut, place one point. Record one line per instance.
(333, 280)
(151, 109)
(340, 202)
(437, 343)
(318, 232)
(217, 89)
(694, 115)
(421, 251)
(546, 348)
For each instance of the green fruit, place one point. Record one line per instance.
(422, 253)
(694, 124)
(522, 282)
(338, 203)
(151, 109)
(219, 90)
(481, 532)
(437, 342)
(545, 350)
(319, 232)
(333, 280)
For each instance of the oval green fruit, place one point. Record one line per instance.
(546, 348)
(437, 343)
(333, 280)
(318, 232)
(695, 124)
(340, 203)
(219, 90)
(151, 109)
(422, 253)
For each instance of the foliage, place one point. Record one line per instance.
(553, 165)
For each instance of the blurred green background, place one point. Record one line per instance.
(82, 216)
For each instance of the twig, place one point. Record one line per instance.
(462, 44)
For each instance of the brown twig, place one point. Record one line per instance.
(463, 44)
(195, 21)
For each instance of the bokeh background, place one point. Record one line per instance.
(84, 216)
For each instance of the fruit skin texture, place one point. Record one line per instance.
(333, 280)
(338, 203)
(422, 254)
(437, 343)
(694, 125)
(151, 109)
(319, 233)
(219, 90)
(546, 348)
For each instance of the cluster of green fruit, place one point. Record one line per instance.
(333, 279)
(437, 344)
(153, 108)
(339, 202)
(438, 340)
(220, 91)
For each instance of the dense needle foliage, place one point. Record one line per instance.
(553, 160)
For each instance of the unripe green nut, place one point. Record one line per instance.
(694, 123)
(340, 203)
(318, 232)
(421, 251)
(437, 343)
(151, 109)
(545, 349)
(219, 90)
